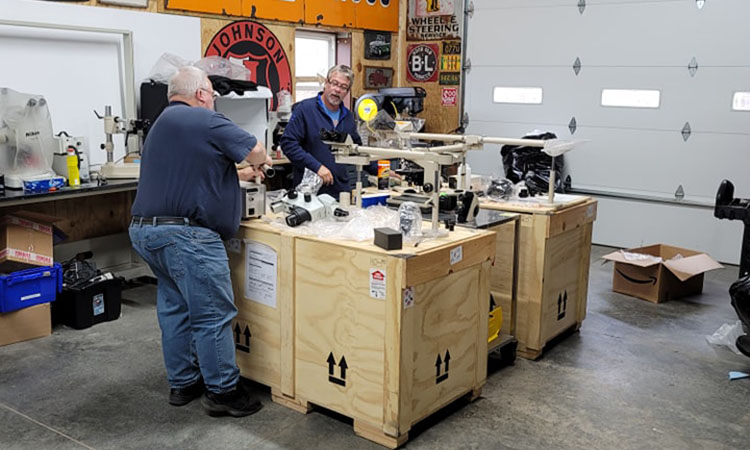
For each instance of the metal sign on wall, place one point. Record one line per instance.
(378, 77)
(257, 48)
(422, 62)
(284, 10)
(424, 23)
(369, 14)
(424, 8)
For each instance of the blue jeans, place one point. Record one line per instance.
(194, 302)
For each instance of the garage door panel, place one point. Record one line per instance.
(704, 101)
(613, 34)
(656, 163)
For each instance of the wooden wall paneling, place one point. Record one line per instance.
(359, 62)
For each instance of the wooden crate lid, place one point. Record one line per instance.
(536, 205)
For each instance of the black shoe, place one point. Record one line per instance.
(183, 396)
(236, 403)
(743, 345)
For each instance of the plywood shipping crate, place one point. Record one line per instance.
(388, 338)
(503, 273)
(554, 248)
(384, 337)
(261, 259)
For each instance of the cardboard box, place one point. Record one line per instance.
(660, 280)
(25, 240)
(28, 323)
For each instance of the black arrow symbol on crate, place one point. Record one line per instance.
(343, 366)
(651, 280)
(331, 362)
(562, 305)
(438, 363)
(238, 333)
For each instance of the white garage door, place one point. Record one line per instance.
(638, 159)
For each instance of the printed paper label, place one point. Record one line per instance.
(260, 273)
(377, 283)
(98, 304)
(457, 254)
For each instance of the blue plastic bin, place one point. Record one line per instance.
(374, 199)
(30, 287)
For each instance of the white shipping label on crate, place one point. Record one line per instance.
(377, 283)
(260, 273)
(457, 254)
(409, 297)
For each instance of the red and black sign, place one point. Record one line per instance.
(257, 48)
(422, 62)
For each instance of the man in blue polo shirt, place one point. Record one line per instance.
(301, 140)
(188, 201)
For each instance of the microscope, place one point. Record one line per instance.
(303, 207)
(729, 207)
(130, 128)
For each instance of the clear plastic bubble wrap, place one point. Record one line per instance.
(500, 189)
(410, 220)
(358, 226)
(311, 182)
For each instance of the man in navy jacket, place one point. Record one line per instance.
(301, 140)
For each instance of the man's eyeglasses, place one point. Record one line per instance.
(214, 94)
(336, 84)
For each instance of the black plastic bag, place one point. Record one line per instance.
(531, 165)
(79, 270)
(740, 293)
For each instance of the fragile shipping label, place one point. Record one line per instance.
(377, 283)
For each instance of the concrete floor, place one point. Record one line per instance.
(637, 375)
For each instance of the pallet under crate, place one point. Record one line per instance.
(386, 338)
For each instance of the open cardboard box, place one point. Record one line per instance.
(660, 281)
(26, 240)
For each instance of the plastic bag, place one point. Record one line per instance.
(740, 293)
(216, 65)
(727, 335)
(499, 189)
(631, 256)
(532, 165)
(26, 139)
(167, 65)
(311, 182)
(410, 220)
(358, 226)
(284, 99)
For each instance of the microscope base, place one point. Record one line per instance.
(120, 170)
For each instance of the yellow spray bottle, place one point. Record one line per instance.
(74, 178)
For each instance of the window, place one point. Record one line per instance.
(631, 98)
(524, 95)
(741, 101)
(314, 54)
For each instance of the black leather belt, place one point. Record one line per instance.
(162, 220)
